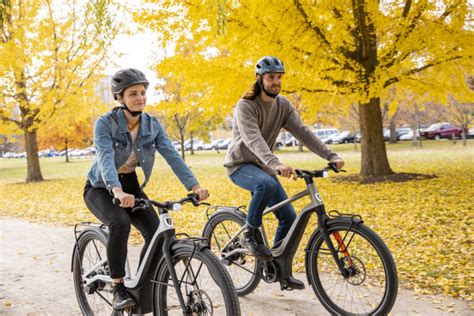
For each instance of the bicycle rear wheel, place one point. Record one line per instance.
(90, 257)
(243, 269)
(370, 284)
(205, 285)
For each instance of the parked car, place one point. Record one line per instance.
(470, 133)
(197, 144)
(282, 139)
(292, 141)
(409, 135)
(224, 144)
(399, 132)
(176, 145)
(326, 134)
(343, 138)
(213, 145)
(441, 130)
(402, 131)
(357, 137)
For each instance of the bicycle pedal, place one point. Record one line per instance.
(285, 287)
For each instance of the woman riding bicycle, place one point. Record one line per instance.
(258, 118)
(126, 138)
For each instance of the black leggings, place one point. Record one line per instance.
(118, 220)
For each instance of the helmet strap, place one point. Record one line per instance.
(132, 113)
(260, 83)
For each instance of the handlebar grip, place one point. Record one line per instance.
(116, 201)
(194, 198)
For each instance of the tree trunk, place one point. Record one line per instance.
(33, 167)
(300, 147)
(192, 143)
(181, 135)
(393, 131)
(374, 160)
(67, 154)
(463, 136)
(414, 139)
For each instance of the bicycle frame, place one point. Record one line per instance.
(284, 253)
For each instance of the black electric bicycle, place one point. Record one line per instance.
(177, 276)
(349, 267)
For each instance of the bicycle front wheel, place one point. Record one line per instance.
(369, 283)
(205, 285)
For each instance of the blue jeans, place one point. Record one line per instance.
(266, 191)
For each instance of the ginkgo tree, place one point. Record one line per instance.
(191, 107)
(53, 52)
(339, 50)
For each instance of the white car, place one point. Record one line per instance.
(326, 134)
(409, 135)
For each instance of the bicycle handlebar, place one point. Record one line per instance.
(323, 173)
(143, 204)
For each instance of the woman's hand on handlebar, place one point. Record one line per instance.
(126, 200)
(201, 192)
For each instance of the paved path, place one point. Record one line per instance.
(35, 279)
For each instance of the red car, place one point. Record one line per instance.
(441, 130)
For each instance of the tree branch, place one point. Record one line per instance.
(311, 25)
(448, 11)
(404, 33)
(7, 119)
(406, 8)
(419, 69)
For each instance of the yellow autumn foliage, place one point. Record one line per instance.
(427, 224)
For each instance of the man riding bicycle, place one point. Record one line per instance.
(258, 118)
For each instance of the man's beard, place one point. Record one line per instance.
(269, 93)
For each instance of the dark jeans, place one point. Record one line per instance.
(118, 220)
(266, 191)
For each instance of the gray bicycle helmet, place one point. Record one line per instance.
(125, 78)
(268, 64)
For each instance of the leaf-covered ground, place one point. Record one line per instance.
(427, 223)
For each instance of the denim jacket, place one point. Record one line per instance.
(113, 144)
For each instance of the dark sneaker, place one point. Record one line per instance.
(254, 242)
(121, 297)
(290, 283)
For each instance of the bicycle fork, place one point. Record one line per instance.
(327, 238)
(174, 277)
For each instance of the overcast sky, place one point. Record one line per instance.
(138, 51)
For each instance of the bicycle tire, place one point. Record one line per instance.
(182, 251)
(359, 261)
(87, 301)
(216, 222)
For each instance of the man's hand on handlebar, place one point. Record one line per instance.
(338, 162)
(285, 171)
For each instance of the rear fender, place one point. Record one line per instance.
(98, 228)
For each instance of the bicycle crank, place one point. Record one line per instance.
(268, 271)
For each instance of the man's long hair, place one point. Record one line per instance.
(254, 92)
